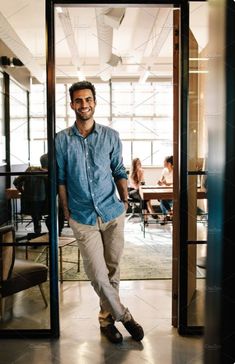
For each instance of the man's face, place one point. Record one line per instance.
(83, 104)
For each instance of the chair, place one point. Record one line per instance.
(134, 202)
(63, 242)
(34, 201)
(17, 274)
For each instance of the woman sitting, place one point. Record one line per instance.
(136, 179)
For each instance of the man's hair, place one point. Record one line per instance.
(169, 159)
(83, 85)
(44, 161)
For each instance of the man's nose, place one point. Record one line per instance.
(84, 103)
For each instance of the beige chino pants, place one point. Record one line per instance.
(101, 248)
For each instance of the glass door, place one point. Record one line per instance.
(193, 195)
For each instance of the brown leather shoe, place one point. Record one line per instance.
(111, 333)
(134, 329)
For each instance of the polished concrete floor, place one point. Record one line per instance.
(80, 341)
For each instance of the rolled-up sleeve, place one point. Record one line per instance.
(117, 166)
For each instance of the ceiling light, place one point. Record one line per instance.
(198, 71)
(16, 62)
(10, 62)
(59, 9)
(81, 75)
(198, 58)
(105, 75)
(5, 61)
(114, 60)
(114, 16)
(145, 74)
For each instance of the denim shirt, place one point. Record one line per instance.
(89, 167)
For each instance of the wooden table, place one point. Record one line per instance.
(161, 193)
(155, 193)
(63, 242)
(13, 194)
(164, 193)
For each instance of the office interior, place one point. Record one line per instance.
(164, 77)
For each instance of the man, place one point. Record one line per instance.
(90, 168)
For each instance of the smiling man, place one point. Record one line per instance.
(90, 169)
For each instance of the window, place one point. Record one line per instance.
(2, 129)
(141, 113)
(18, 124)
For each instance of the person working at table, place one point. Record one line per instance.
(136, 180)
(167, 180)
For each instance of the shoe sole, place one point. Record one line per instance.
(110, 338)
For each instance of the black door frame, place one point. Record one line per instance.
(183, 326)
(54, 331)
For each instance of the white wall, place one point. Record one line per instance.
(151, 175)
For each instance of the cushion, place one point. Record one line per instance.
(7, 255)
(25, 274)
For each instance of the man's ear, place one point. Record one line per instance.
(71, 105)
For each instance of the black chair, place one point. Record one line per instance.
(34, 194)
(17, 274)
(134, 201)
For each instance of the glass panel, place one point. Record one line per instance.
(25, 207)
(37, 101)
(143, 100)
(103, 100)
(163, 98)
(2, 128)
(122, 99)
(24, 305)
(197, 156)
(161, 149)
(142, 150)
(197, 303)
(144, 121)
(127, 153)
(18, 124)
(61, 100)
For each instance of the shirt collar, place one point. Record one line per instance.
(74, 130)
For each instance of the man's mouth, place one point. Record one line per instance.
(84, 110)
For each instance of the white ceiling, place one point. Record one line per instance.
(143, 40)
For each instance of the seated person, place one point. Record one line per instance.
(167, 180)
(33, 190)
(136, 179)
